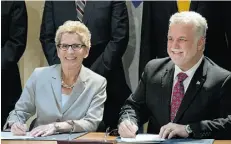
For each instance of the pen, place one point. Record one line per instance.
(19, 120)
(129, 118)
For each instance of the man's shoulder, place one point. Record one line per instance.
(159, 64)
(216, 70)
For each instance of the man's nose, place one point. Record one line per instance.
(175, 44)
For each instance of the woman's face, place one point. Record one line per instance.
(71, 51)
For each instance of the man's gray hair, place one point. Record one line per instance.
(190, 17)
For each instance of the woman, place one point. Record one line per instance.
(67, 96)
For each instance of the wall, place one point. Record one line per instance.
(33, 56)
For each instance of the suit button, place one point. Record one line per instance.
(58, 120)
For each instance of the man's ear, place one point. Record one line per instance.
(201, 43)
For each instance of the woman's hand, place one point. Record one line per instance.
(43, 130)
(19, 129)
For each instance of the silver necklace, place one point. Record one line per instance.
(66, 85)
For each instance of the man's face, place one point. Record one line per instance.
(183, 47)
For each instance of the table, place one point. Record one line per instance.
(89, 136)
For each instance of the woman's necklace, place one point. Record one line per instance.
(66, 85)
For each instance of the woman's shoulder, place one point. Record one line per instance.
(91, 75)
(46, 70)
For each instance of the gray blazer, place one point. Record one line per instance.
(42, 94)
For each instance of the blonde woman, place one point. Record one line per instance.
(66, 96)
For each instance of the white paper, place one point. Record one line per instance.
(9, 135)
(143, 138)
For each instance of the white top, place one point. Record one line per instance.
(65, 98)
(189, 72)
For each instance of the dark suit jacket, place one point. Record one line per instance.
(154, 30)
(108, 24)
(13, 44)
(205, 106)
(218, 40)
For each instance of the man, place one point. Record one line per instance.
(108, 24)
(155, 28)
(13, 45)
(186, 95)
(154, 31)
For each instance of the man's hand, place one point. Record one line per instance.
(171, 130)
(127, 129)
(19, 129)
(43, 130)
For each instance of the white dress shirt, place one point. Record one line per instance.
(189, 73)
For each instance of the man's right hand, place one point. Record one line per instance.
(127, 129)
(18, 129)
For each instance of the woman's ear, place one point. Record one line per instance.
(86, 52)
(58, 53)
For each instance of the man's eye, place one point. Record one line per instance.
(182, 39)
(169, 38)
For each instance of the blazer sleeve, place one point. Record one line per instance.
(25, 106)
(146, 36)
(94, 114)
(227, 21)
(119, 40)
(47, 34)
(219, 128)
(16, 44)
(135, 105)
(201, 7)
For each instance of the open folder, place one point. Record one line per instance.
(64, 136)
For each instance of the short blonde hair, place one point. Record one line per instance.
(190, 17)
(74, 27)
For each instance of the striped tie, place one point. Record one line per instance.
(80, 4)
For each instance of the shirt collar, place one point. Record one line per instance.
(189, 72)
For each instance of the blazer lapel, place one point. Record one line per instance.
(194, 87)
(87, 11)
(166, 84)
(77, 90)
(56, 85)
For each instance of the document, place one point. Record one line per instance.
(9, 135)
(143, 138)
(64, 136)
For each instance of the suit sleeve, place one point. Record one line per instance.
(201, 7)
(25, 106)
(16, 44)
(119, 40)
(146, 37)
(219, 128)
(94, 113)
(227, 22)
(47, 34)
(135, 105)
